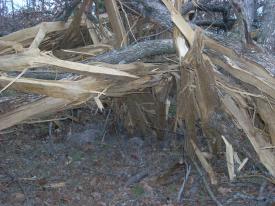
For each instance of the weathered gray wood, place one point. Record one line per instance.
(157, 12)
(136, 51)
(268, 31)
(249, 8)
(152, 9)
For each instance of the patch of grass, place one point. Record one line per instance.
(172, 110)
(10, 93)
(77, 156)
(106, 146)
(172, 188)
(137, 191)
(93, 157)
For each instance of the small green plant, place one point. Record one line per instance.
(172, 188)
(138, 191)
(172, 110)
(77, 156)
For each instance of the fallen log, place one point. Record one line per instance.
(156, 12)
(136, 51)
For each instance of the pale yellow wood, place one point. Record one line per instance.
(66, 89)
(205, 164)
(6, 45)
(264, 84)
(180, 22)
(116, 22)
(39, 37)
(91, 29)
(229, 159)
(33, 58)
(30, 33)
(45, 106)
(267, 157)
(267, 113)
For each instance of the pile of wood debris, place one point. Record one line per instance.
(229, 92)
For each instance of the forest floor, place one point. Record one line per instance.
(79, 165)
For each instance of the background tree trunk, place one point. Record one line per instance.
(249, 13)
(268, 31)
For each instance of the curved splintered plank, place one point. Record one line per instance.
(81, 68)
(33, 58)
(30, 33)
(66, 89)
(43, 106)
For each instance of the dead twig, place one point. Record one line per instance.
(14, 80)
(127, 21)
(207, 187)
(46, 120)
(188, 171)
(17, 181)
(246, 196)
(105, 126)
(8, 131)
(271, 180)
(136, 178)
(51, 146)
(262, 189)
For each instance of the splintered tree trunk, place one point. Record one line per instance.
(12, 7)
(217, 85)
(249, 13)
(116, 22)
(33, 4)
(268, 35)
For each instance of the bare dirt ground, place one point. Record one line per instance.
(79, 165)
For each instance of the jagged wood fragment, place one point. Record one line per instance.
(205, 164)
(92, 50)
(197, 96)
(267, 158)
(43, 106)
(116, 23)
(181, 24)
(257, 140)
(91, 29)
(186, 110)
(267, 113)
(39, 37)
(161, 93)
(229, 159)
(259, 83)
(74, 29)
(75, 91)
(6, 46)
(23, 35)
(66, 89)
